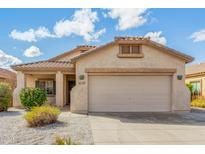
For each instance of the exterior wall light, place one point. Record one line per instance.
(179, 77)
(81, 77)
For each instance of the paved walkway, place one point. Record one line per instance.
(156, 128)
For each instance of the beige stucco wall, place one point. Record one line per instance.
(198, 78)
(107, 58)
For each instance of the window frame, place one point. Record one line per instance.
(46, 86)
(130, 54)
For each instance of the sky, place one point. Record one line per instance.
(28, 35)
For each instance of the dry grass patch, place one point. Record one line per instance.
(198, 103)
(64, 141)
(43, 115)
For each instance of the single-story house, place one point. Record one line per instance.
(128, 74)
(195, 75)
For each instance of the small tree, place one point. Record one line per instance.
(5, 96)
(189, 85)
(31, 97)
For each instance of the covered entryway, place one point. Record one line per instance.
(129, 93)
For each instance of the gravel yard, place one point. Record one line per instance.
(14, 129)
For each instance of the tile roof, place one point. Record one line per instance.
(117, 38)
(195, 69)
(55, 63)
(44, 65)
(4, 73)
(75, 50)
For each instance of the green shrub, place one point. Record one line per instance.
(39, 116)
(64, 141)
(198, 103)
(31, 97)
(190, 86)
(5, 96)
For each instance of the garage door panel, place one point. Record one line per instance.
(129, 93)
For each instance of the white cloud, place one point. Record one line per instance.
(198, 36)
(31, 35)
(95, 36)
(33, 51)
(23, 36)
(128, 18)
(7, 60)
(82, 24)
(156, 36)
(43, 32)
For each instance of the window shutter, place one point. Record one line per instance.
(136, 49)
(37, 84)
(125, 49)
(54, 87)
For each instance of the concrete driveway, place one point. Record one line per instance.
(148, 128)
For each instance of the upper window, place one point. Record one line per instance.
(125, 49)
(130, 49)
(48, 85)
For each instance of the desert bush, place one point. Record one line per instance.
(198, 103)
(31, 97)
(64, 141)
(5, 96)
(43, 115)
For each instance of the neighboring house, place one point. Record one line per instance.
(195, 75)
(8, 77)
(129, 74)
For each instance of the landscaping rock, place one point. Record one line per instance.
(14, 129)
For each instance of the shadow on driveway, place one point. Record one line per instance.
(10, 113)
(195, 117)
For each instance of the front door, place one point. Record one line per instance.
(71, 84)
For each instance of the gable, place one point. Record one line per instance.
(67, 56)
(107, 58)
(139, 41)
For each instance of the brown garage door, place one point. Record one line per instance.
(129, 93)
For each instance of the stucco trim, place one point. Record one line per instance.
(130, 74)
(130, 70)
(139, 55)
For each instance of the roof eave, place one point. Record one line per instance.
(45, 69)
(195, 74)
